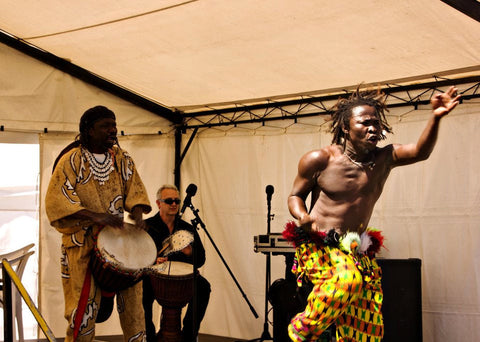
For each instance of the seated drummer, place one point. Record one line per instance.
(161, 226)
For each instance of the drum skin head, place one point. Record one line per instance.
(173, 268)
(172, 284)
(129, 247)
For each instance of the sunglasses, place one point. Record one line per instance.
(170, 200)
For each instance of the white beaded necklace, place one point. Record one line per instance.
(101, 171)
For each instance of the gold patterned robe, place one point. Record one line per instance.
(76, 185)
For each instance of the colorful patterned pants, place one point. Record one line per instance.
(346, 291)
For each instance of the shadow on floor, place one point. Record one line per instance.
(119, 338)
(201, 338)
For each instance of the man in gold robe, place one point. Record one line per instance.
(93, 183)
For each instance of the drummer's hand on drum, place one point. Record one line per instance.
(109, 220)
(187, 250)
(137, 216)
(103, 219)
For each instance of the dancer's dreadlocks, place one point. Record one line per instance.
(343, 112)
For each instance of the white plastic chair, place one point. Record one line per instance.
(18, 260)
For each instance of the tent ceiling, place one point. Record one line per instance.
(203, 54)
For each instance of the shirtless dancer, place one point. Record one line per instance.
(335, 250)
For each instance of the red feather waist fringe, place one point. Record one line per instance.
(297, 236)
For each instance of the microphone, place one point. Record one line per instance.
(191, 191)
(269, 191)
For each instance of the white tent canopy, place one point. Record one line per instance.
(193, 53)
(197, 55)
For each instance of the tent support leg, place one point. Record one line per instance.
(179, 156)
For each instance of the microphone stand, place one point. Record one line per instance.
(266, 334)
(195, 280)
(198, 221)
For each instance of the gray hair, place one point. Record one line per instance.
(164, 187)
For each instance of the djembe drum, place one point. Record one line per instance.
(172, 284)
(121, 256)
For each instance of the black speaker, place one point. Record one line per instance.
(402, 299)
(401, 309)
(287, 300)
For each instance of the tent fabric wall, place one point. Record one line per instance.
(153, 158)
(431, 211)
(232, 173)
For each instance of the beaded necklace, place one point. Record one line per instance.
(101, 171)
